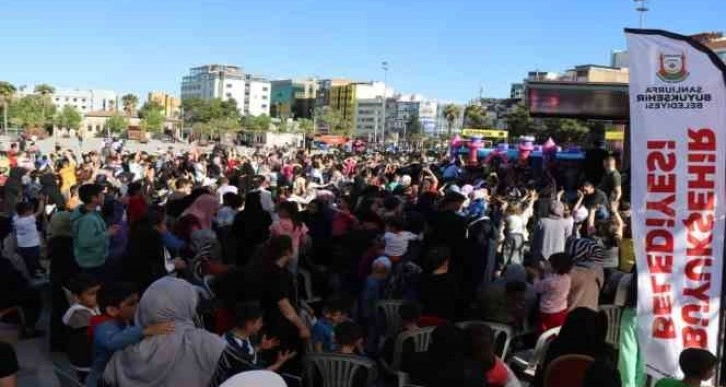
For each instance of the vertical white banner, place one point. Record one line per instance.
(678, 139)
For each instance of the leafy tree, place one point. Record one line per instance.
(148, 107)
(129, 102)
(519, 123)
(565, 131)
(29, 113)
(413, 126)
(153, 120)
(117, 123)
(451, 114)
(306, 125)
(475, 117)
(224, 125)
(6, 93)
(199, 110)
(337, 124)
(44, 89)
(68, 118)
(259, 123)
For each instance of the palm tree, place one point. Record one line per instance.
(6, 92)
(45, 90)
(129, 101)
(451, 113)
(474, 117)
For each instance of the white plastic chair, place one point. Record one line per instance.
(421, 339)
(389, 309)
(499, 330)
(613, 313)
(65, 378)
(255, 379)
(338, 370)
(527, 361)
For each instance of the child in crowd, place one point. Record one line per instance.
(374, 285)
(27, 236)
(136, 207)
(249, 323)
(231, 203)
(698, 365)
(77, 318)
(554, 289)
(323, 334)
(84, 289)
(349, 338)
(396, 239)
(289, 223)
(114, 330)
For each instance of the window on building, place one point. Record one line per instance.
(83, 100)
(229, 85)
(89, 127)
(264, 89)
(66, 99)
(75, 99)
(264, 106)
(98, 128)
(229, 95)
(83, 107)
(264, 97)
(57, 99)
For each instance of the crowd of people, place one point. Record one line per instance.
(187, 268)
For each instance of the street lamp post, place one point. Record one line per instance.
(642, 9)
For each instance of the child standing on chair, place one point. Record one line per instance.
(554, 289)
(397, 239)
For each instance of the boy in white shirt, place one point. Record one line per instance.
(28, 237)
(396, 239)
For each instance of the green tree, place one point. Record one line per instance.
(129, 102)
(224, 125)
(117, 123)
(519, 123)
(44, 89)
(413, 126)
(475, 117)
(198, 110)
(6, 93)
(565, 131)
(148, 107)
(68, 118)
(451, 114)
(336, 122)
(28, 112)
(306, 126)
(153, 121)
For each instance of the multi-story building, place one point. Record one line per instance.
(715, 41)
(401, 108)
(324, 88)
(170, 103)
(293, 98)
(369, 118)
(257, 96)
(517, 91)
(228, 82)
(596, 74)
(83, 100)
(619, 59)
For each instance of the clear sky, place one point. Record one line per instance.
(442, 49)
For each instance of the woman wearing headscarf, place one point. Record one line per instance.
(63, 267)
(251, 226)
(189, 356)
(583, 333)
(587, 277)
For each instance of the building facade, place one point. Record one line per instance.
(293, 98)
(619, 59)
(715, 41)
(517, 91)
(369, 119)
(228, 82)
(82, 100)
(170, 103)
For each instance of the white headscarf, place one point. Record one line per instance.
(187, 357)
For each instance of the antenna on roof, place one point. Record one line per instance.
(642, 9)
